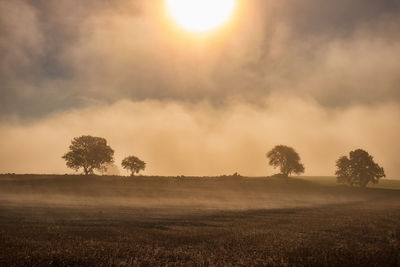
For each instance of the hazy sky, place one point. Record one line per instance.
(321, 76)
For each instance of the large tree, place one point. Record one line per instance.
(358, 169)
(90, 153)
(286, 158)
(133, 164)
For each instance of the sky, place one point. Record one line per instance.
(320, 76)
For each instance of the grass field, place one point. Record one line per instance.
(331, 181)
(102, 221)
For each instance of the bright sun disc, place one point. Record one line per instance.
(200, 15)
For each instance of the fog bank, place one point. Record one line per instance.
(174, 138)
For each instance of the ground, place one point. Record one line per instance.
(75, 220)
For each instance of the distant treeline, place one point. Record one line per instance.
(91, 153)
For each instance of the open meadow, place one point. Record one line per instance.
(120, 221)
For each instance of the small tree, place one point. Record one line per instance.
(90, 153)
(286, 158)
(133, 164)
(358, 169)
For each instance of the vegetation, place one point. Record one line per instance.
(120, 225)
(286, 158)
(358, 169)
(208, 221)
(133, 164)
(90, 153)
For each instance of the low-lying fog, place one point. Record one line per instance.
(220, 193)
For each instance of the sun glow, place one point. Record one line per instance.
(200, 15)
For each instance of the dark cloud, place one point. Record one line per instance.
(56, 53)
(312, 74)
(341, 17)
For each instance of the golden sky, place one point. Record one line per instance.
(320, 76)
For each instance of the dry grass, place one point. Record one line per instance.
(362, 228)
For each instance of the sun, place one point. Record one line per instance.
(200, 15)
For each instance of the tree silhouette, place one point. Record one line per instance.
(358, 169)
(133, 164)
(90, 153)
(286, 158)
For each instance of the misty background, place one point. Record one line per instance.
(322, 77)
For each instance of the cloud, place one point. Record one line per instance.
(204, 139)
(57, 54)
(304, 73)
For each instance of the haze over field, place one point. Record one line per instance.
(321, 77)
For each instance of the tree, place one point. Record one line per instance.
(286, 158)
(358, 169)
(133, 164)
(90, 153)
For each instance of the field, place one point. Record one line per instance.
(150, 221)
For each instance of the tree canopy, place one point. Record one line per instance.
(358, 169)
(133, 164)
(286, 158)
(90, 153)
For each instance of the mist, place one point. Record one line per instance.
(202, 110)
(204, 139)
(321, 79)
